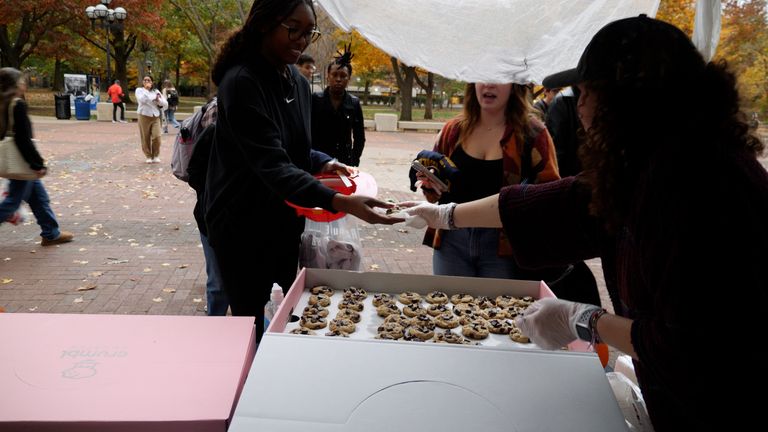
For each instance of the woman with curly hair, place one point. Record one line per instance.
(261, 156)
(496, 142)
(675, 203)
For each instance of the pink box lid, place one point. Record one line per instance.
(72, 370)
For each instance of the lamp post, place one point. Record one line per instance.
(109, 19)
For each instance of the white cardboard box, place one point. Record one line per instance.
(316, 383)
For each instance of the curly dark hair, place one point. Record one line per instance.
(263, 17)
(639, 132)
(343, 59)
(518, 111)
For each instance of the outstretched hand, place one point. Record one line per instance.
(363, 207)
(437, 216)
(551, 322)
(334, 166)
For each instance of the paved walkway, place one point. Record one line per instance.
(137, 247)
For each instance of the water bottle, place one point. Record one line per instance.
(270, 309)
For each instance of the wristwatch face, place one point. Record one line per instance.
(582, 330)
(582, 326)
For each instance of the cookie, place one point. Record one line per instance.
(337, 334)
(469, 317)
(316, 310)
(409, 297)
(436, 297)
(514, 311)
(390, 330)
(446, 321)
(313, 322)
(348, 314)
(320, 299)
(302, 331)
(505, 301)
(485, 302)
(437, 309)
(465, 308)
(322, 289)
(498, 326)
(516, 335)
(422, 321)
(342, 325)
(493, 313)
(388, 309)
(475, 330)
(461, 298)
(448, 337)
(353, 293)
(382, 298)
(418, 332)
(398, 319)
(351, 304)
(413, 310)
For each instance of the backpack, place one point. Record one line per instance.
(190, 132)
(173, 98)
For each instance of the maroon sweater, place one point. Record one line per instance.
(689, 267)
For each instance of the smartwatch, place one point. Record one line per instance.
(585, 324)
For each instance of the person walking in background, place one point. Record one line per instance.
(338, 127)
(14, 122)
(675, 203)
(306, 65)
(496, 142)
(172, 96)
(151, 104)
(116, 95)
(542, 105)
(262, 156)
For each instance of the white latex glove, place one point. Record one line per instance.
(437, 216)
(551, 322)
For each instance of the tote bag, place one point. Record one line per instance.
(12, 163)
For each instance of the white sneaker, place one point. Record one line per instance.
(149, 160)
(114, 121)
(123, 121)
(156, 160)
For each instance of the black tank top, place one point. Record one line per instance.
(479, 178)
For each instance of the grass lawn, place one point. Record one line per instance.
(439, 115)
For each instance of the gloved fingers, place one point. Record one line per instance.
(409, 204)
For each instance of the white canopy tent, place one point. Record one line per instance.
(495, 40)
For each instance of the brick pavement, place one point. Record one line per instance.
(136, 241)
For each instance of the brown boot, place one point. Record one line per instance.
(64, 237)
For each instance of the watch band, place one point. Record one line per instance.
(586, 324)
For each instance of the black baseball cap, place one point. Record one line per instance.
(632, 49)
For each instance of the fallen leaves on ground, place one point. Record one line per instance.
(87, 287)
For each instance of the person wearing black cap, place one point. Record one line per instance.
(338, 127)
(675, 203)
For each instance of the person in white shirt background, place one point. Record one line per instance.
(151, 104)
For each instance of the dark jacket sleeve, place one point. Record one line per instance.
(358, 133)
(548, 224)
(22, 129)
(257, 140)
(318, 160)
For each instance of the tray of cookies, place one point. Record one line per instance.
(409, 308)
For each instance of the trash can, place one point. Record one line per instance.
(82, 109)
(61, 102)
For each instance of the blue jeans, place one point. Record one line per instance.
(33, 192)
(214, 291)
(170, 118)
(472, 252)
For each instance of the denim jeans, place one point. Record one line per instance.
(217, 298)
(170, 118)
(33, 192)
(472, 252)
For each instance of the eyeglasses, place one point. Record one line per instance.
(295, 34)
(147, 80)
